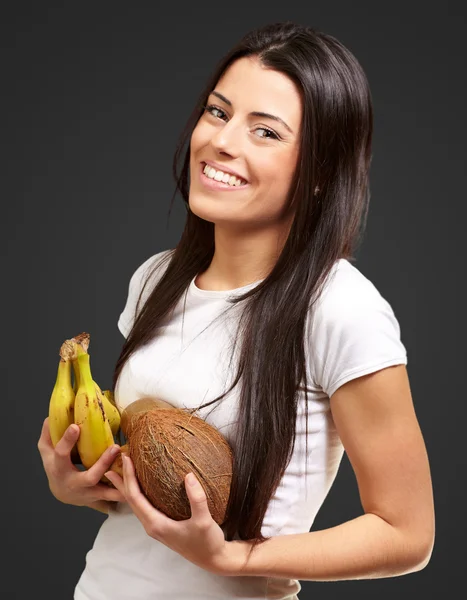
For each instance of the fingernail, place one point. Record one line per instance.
(71, 430)
(114, 450)
(191, 479)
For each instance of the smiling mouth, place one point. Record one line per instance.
(221, 177)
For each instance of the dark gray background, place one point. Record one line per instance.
(94, 97)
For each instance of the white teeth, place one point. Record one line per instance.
(221, 176)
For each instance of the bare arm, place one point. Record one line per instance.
(376, 421)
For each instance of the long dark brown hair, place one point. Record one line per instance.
(334, 157)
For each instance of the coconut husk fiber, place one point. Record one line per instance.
(167, 443)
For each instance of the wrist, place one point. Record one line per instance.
(234, 559)
(103, 506)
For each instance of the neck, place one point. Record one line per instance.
(240, 259)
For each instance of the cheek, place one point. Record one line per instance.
(276, 173)
(193, 142)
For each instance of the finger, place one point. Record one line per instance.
(45, 441)
(94, 474)
(132, 487)
(129, 485)
(116, 480)
(107, 493)
(197, 497)
(45, 445)
(65, 444)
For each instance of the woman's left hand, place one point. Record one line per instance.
(199, 539)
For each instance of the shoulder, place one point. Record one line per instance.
(347, 291)
(150, 268)
(353, 329)
(155, 260)
(349, 300)
(141, 283)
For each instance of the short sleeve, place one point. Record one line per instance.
(137, 281)
(354, 332)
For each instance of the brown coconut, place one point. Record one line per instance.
(165, 443)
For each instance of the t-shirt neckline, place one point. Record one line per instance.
(194, 289)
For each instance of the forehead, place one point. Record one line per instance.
(252, 87)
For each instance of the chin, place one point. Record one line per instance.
(201, 206)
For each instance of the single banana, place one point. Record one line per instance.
(111, 411)
(62, 400)
(110, 396)
(96, 435)
(81, 344)
(61, 404)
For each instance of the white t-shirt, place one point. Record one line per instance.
(353, 332)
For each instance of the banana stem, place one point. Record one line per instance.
(78, 350)
(63, 372)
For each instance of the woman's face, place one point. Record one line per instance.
(261, 149)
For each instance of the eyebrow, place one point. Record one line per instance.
(254, 113)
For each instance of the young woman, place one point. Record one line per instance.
(260, 320)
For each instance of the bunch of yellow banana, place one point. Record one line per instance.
(83, 403)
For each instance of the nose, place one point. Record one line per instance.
(228, 140)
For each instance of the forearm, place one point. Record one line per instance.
(364, 548)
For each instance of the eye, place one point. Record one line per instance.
(271, 134)
(218, 113)
(214, 111)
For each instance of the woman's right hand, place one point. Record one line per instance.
(67, 483)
